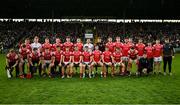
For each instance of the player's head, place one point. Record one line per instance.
(132, 49)
(76, 48)
(126, 40)
(47, 40)
(12, 51)
(68, 39)
(23, 46)
(118, 39)
(130, 40)
(145, 55)
(35, 50)
(86, 48)
(140, 40)
(109, 39)
(149, 44)
(166, 40)
(58, 40)
(157, 41)
(118, 49)
(78, 40)
(88, 41)
(58, 48)
(106, 48)
(27, 40)
(36, 39)
(67, 48)
(99, 40)
(96, 47)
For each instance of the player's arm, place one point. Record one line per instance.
(102, 58)
(16, 61)
(7, 60)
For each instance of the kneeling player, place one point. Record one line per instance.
(132, 58)
(11, 63)
(34, 61)
(67, 65)
(106, 59)
(76, 59)
(118, 62)
(87, 59)
(97, 59)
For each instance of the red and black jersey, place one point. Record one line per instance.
(35, 56)
(117, 56)
(54, 46)
(12, 57)
(24, 52)
(133, 54)
(86, 56)
(58, 55)
(47, 55)
(67, 56)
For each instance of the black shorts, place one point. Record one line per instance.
(76, 64)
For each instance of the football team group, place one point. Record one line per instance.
(87, 60)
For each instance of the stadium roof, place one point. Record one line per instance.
(129, 9)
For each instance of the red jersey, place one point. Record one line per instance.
(28, 46)
(110, 45)
(97, 55)
(77, 55)
(69, 45)
(86, 56)
(149, 51)
(67, 56)
(24, 53)
(46, 45)
(53, 47)
(130, 44)
(125, 49)
(34, 56)
(133, 54)
(47, 56)
(118, 44)
(80, 46)
(140, 48)
(12, 57)
(107, 56)
(58, 55)
(157, 50)
(117, 56)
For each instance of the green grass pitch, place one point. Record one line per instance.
(154, 89)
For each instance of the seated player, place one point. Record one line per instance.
(11, 63)
(33, 62)
(143, 65)
(97, 59)
(86, 60)
(58, 59)
(117, 61)
(133, 55)
(24, 56)
(107, 62)
(67, 65)
(77, 59)
(46, 61)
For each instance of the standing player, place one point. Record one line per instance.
(117, 60)
(68, 44)
(46, 45)
(24, 56)
(100, 44)
(140, 48)
(110, 45)
(118, 43)
(157, 56)
(97, 59)
(79, 44)
(87, 59)
(77, 59)
(54, 46)
(133, 54)
(89, 45)
(150, 54)
(125, 48)
(36, 44)
(33, 62)
(107, 62)
(11, 63)
(67, 65)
